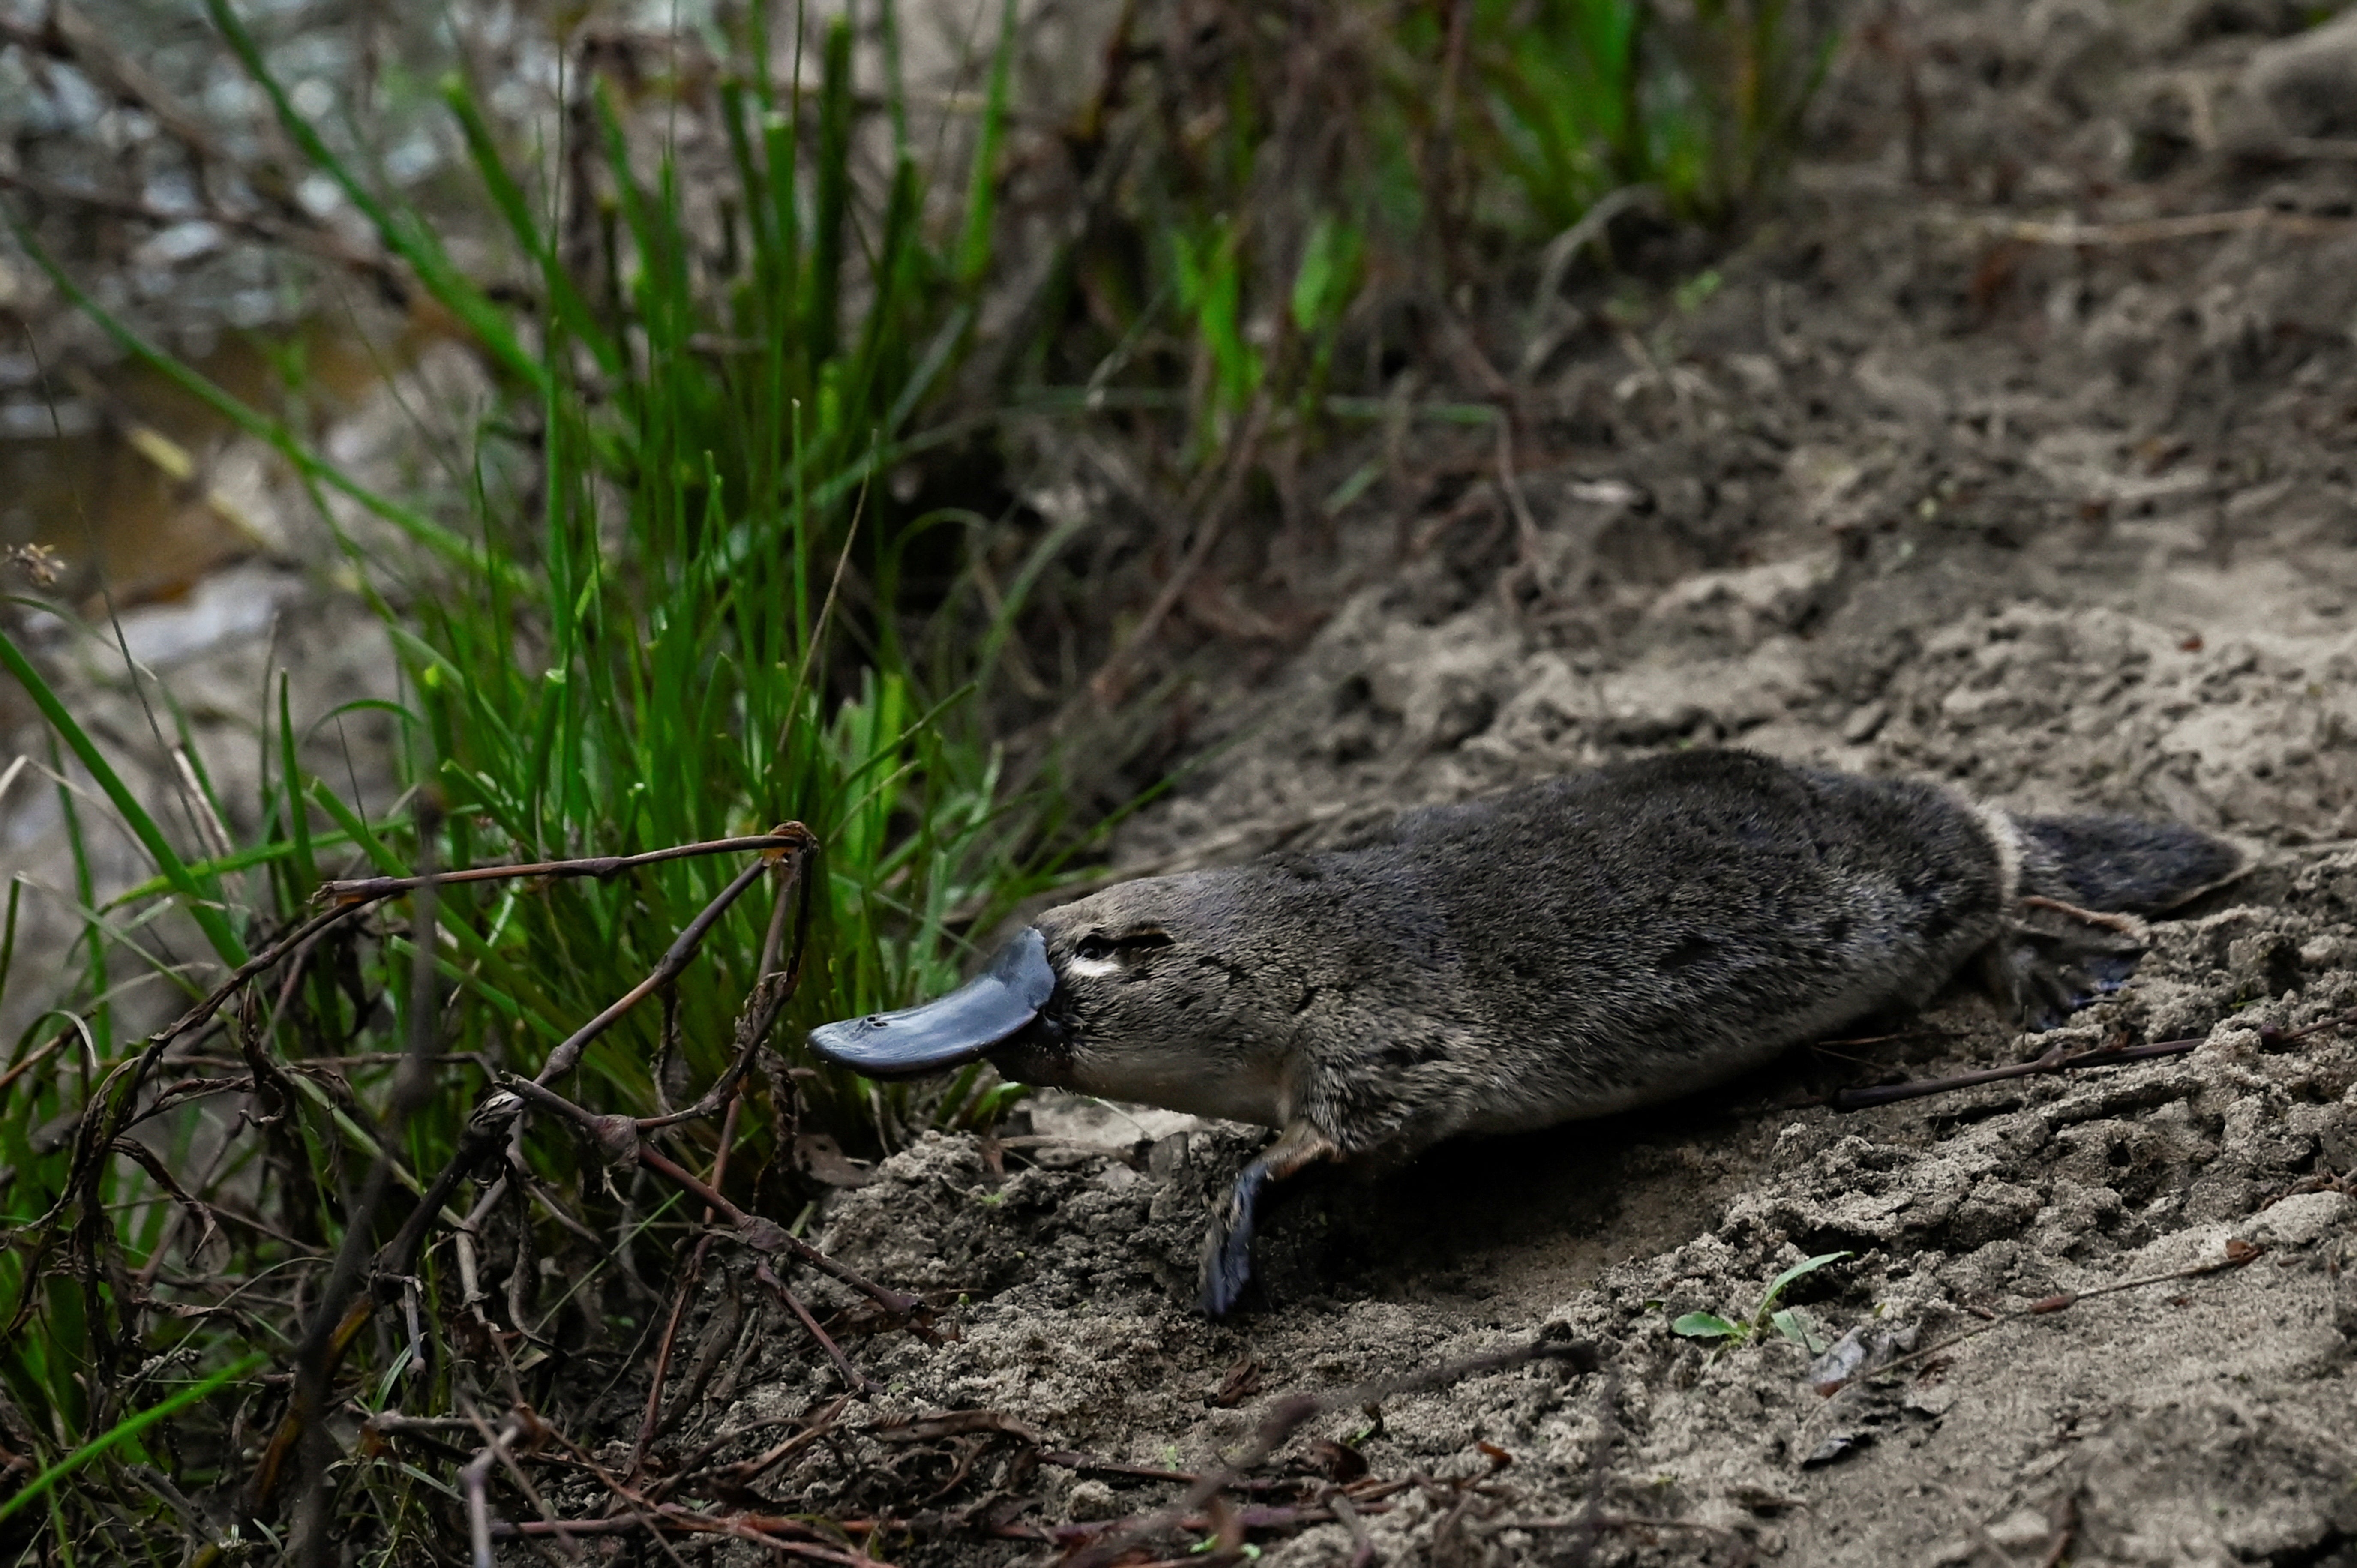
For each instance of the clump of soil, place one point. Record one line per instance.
(1938, 481)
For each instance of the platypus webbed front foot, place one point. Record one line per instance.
(1227, 1250)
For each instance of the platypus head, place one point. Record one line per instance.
(1164, 989)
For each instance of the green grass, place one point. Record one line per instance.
(658, 608)
(662, 600)
(1346, 171)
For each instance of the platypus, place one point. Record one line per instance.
(1569, 948)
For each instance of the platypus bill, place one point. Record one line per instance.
(1571, 948)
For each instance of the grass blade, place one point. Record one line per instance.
(126, 1429)
(413, 243)
(200, 900)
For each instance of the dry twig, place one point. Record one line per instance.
(2058, 1059)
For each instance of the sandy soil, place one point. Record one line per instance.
(1917, 490)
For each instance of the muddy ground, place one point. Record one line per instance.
(2061, 514)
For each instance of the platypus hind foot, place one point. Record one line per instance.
(2058, 957)
(1227, 1250)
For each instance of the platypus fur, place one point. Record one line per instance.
(1569, 948)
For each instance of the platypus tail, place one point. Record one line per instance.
(2122, 864)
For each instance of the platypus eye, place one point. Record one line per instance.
(1096, 947)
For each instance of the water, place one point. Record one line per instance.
(121, 474)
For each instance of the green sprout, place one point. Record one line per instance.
(1791, 1321)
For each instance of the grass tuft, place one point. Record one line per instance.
(658, 608)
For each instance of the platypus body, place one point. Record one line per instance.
(1570, 948)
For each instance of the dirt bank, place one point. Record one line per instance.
(1978, 465)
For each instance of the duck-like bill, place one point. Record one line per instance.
(986, 1011)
